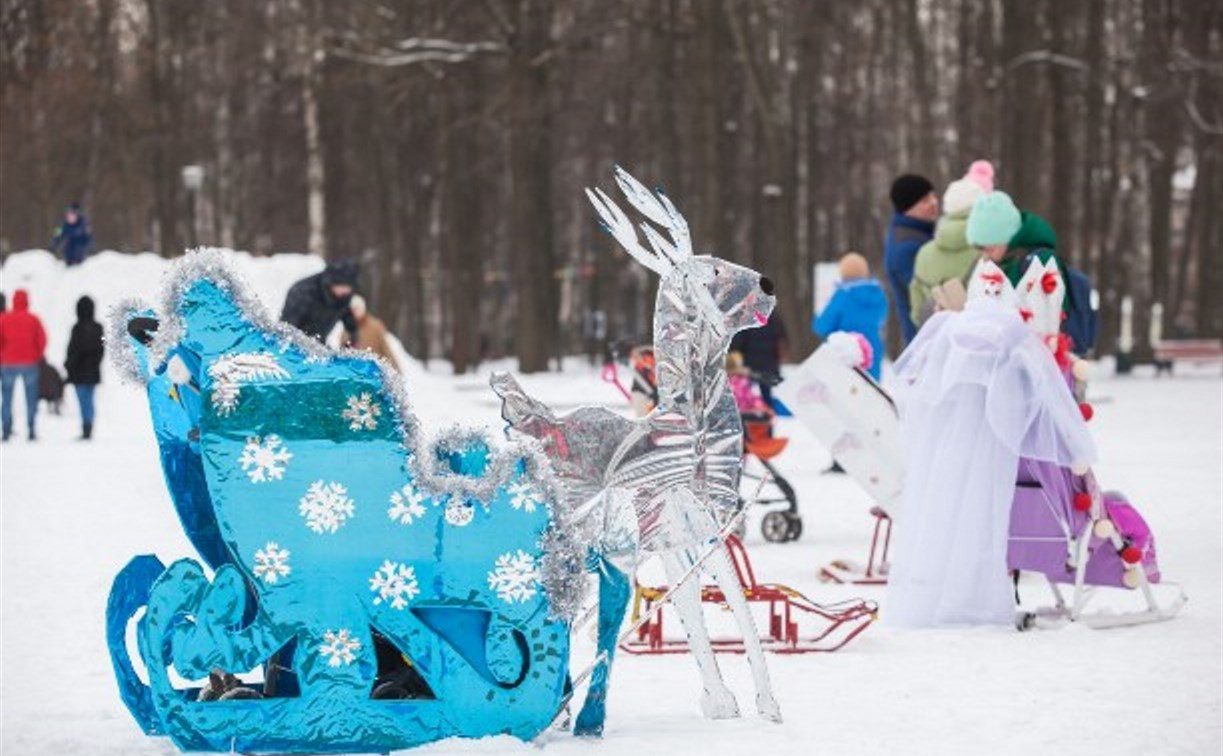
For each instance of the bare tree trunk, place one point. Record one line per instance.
(309, 50)
(919, 69)
(462, 214)
(1061, 190)
(1209, 240)
(164, 180)
(1161, 116)
(529, 139)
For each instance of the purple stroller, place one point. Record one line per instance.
(1064, 528)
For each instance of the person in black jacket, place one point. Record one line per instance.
(317, 303)
(763, 350)
(74, 235)
(84, 361)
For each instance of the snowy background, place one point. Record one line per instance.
(73, 513)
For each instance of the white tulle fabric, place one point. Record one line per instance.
(976, 391)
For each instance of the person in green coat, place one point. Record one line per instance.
(949, 255)
(1012, 238)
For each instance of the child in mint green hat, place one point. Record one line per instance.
(992, 224)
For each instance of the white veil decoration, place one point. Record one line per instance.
(976, 390)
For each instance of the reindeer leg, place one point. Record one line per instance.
(614, 590)
(717, 701)
(728, 581)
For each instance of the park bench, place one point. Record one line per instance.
(1197, 351)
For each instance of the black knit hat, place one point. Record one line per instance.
(908, 190)
(344, 272)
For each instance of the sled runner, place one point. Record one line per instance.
(1065, 529)
(875, 571)
(796, 624)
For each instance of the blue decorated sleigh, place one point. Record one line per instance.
(360, 590)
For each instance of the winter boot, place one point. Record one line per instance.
(86, 431)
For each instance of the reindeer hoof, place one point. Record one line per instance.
(590, 722)
(719, 705)
(768, 708)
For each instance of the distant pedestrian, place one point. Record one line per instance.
(22, 342)
(50, 387)
(912, 225)
(84, 361)
(948, 256)
(315, 304)
(763, 350)
(371, 333)
(1030, 239)
(74, 235)
(857, 306)
(992, 223)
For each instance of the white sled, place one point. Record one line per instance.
(856, 420)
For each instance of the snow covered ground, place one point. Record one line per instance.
(73, 513)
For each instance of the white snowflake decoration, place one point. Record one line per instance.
(515, 577)
(459, 513)
(265, 459)
(394, 582)
(228, 373)
(522, 497)
(339, 648)
(362, 412)
(407, 505)
(272, 563)
(326, 507)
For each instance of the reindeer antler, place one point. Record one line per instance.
(658, 208)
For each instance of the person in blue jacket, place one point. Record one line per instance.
(74, 235)
(912, 225)
(858, 305)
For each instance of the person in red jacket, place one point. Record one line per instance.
(22, 341)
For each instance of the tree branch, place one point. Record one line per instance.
(1045, 56)
(416, 50)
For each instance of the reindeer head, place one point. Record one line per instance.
(724, 296)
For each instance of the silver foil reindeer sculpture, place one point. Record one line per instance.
(664, 483)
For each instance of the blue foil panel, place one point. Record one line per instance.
(332, 541)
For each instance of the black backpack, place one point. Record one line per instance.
(1080, 322)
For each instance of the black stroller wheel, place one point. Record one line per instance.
(796, 527)
(775, 527)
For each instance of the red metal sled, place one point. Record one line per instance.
(843, 621)
(875, 571)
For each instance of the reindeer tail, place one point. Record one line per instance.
(516, 405)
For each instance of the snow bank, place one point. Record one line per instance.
(110, 277)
